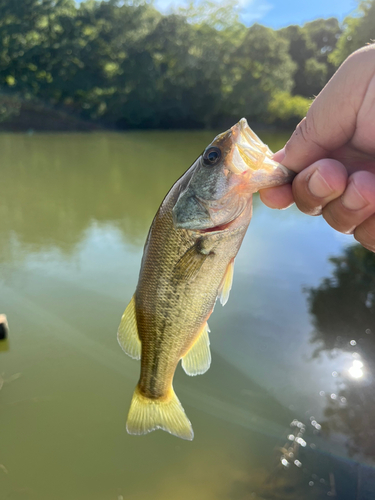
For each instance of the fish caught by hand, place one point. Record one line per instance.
(187, 265)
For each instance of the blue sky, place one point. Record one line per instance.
(280, 13)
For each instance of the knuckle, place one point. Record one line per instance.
(299, 133)
(306, 132)
(303, 130)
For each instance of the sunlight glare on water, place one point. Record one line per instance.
(356, 369)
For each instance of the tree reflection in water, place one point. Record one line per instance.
(343, 311)
(343, 307)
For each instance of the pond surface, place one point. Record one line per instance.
(287, 409)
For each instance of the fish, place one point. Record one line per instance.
(187, 264)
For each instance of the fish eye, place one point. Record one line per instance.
(211, 156)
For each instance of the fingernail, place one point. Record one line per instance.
(285, 208)
(318, 186)
(351, 199)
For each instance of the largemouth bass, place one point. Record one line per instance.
(187, 264)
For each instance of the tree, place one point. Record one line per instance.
(125, 64)
(343, 308)
(26, 27)
(259, 67)
(323, 34)
(358, 31)
(310, 47)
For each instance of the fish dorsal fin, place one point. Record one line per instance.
(127, 334)
(226, 284)
(198, 360)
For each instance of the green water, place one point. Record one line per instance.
(74, 214)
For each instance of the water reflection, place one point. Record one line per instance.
(298, 471)
(343, 309)
(356, 370)
(74, 214)
(53, 187)
(4, 345)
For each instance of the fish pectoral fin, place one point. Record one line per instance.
(147, 415)
(198, 359)
(193, 259)
(226, 284)
(127, 334)
(189, 264)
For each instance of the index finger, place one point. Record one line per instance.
(331, 120)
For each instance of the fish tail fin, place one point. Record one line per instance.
(146, 415)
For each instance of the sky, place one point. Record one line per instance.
(280, 13)
(276, 13)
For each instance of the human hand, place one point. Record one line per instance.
(333, 151)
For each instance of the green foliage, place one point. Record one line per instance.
(223, 16)
(125, 65)
(315, 74)
(359, 30)
(258, 68)
(286, 109)
(9, 107)
(310, 47)
(323, 35)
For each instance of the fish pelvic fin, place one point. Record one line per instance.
(198, 359)
(226, 284)
(147, 415)
(127, 334)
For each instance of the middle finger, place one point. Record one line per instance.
(318, 184)
(356, 204)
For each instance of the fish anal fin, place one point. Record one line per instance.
(147, 415)
(198, 359)
(127, 334)
(226, 284)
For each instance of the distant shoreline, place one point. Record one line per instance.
(33, 117)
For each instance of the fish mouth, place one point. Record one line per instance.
(250, 155)
(216, 229)
(249, 152)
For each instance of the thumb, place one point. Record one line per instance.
(331, 120)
